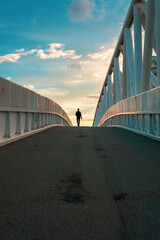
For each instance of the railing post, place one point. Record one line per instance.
(148, 44)
(45, 119)
(130, 66)
(26, 123)
(113, 89)
(7, 125)
(110, 92)
(138, 48)
(98, 114)
(157, 21)
(38, 120)
(124, 79)
(42, 120)
(18, 123)
(117, 81)
(102, 105)
(33, 122)
(105, 99)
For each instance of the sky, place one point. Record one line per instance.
(61, 49)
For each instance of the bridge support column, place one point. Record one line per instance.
(42, 120)
(157, 16)
(45, 119)
(117, 81)
(148, 45)
(124, 79)
(110, 92)
(33, 122)
(102, 105)
(18, 123)
(138, 48)
(130, 64)
(7, 125)
(98, 113)
(26, 129)
(38, 120)
(105, 99)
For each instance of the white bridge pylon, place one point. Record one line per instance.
(131, 98)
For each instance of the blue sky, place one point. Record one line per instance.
(61, 49)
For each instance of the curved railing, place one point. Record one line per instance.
(139, 113)
(128, 91)
(22, 111)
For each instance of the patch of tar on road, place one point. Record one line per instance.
(120, 197)
(100, 149)
(103, 156)
(82, 136)
(70, 189)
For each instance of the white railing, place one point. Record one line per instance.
(135, 76)
(23, 111)
(139, 113)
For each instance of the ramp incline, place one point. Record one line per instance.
(80, 183)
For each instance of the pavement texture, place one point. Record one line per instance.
(80, 183)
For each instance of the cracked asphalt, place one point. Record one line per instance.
(80, 183)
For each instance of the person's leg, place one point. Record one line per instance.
(78, 121)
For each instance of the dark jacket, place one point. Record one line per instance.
(78, 114)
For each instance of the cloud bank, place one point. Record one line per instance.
(55, 50)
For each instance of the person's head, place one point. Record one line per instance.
(78, 109)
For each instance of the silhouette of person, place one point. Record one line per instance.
(78, 115)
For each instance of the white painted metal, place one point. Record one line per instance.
(105, 99)
(117, 84)
(138, 48)
(102, 105)
(142, 109)
(148, 45)
(153, 80)
(130, 63)
(139, 109)
(22, 110)
(124, 80)
(157, 21)
(110, 92)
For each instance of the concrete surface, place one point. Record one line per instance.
(80, 183)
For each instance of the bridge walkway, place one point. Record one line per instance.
(80, 183)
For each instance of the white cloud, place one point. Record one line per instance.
(104, 53)
(13, 57)
(20, 50)
(100, 74)
(8, 78)
(80, 10)
(93, 96)
(71, 82)
(78, 76)
(31, 87)
(29, 52)
(56, 50)
(53, 93)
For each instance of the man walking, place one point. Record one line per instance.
(78, 115)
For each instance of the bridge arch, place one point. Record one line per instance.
(131, 98)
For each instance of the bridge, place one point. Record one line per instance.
(102, 182)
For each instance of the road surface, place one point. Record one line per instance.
(80, 184)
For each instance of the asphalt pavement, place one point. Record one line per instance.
(80, 184)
